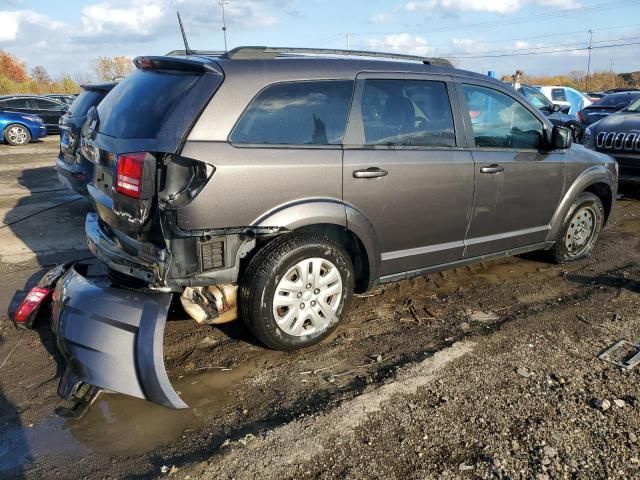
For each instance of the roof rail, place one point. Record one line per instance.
(183, 53)
(257, 53)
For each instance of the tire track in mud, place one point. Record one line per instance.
(208, 443)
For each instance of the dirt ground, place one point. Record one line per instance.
(483, 372)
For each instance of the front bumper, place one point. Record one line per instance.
(111, 338)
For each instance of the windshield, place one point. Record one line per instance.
(634, 107)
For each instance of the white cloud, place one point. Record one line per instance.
(502, 7)
(381, 18)
(401, 43)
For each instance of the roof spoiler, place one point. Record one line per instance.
(173, 63)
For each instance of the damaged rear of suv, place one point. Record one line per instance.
(292, 181)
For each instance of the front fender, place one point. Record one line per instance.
(328, 211)
(591, 176)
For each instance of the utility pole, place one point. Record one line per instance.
(611, 67)
(224, 22)
(591, 32)
(348, 37)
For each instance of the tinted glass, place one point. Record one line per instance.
(500, 121)
(557, 94)
(139, 105)
(302, 113)
(617, 99)
(634, 107)
(407, 112)
(86, 100)
(536, 99)
(18, 103)
(43, 104)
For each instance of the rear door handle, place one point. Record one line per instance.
(371, 172)
(493, 168)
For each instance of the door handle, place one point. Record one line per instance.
(493, 168)
(371, 172)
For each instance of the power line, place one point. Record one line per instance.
(550, 52)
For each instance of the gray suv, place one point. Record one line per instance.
(299, 177)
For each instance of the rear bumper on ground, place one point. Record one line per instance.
(111, 338)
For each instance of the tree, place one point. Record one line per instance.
(40, 75)
(12, 68)
(107, 68)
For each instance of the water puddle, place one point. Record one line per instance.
(501, 272)
(122, 425)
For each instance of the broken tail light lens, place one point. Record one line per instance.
(25, 315)
(129, 174)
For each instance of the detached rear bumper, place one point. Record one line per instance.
(74, 176)
(111, 338)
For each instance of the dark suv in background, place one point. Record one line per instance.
(74, 170)
(299, 179)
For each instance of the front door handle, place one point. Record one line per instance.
(493, 168)
(371, 172)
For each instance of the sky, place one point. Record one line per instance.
(65, 36)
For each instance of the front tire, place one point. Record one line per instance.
(16, 135)
(296, 290)
(579, 234)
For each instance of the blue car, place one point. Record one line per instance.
(20, 128)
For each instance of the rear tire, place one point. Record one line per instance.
(296, 290)
(17, 135)
(580, 231)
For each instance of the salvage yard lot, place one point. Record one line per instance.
(489, 371)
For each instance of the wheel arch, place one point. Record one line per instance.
(31, 133)
(339, 222)
(598, 180)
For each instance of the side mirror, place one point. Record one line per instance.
(561, 138)
(556, 108)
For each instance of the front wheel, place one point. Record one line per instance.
(296, 290)
(579, 234)
(17, 135)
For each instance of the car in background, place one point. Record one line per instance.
(20, 128)
(618, 135)
(595, 96)
(66, 99)
(606, 106)
(553, 112)
(566, 96)
(622, 89)
(74, 170)
(49, 110)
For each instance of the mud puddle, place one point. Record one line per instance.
(121, 425)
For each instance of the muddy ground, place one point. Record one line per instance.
(483, 372)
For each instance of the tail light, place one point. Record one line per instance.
(581, 116)
(130, 173)
(28, 309)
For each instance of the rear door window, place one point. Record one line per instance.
(19, 103)
(43, 104)
(139, 106)
(407, 113)
(296, 113)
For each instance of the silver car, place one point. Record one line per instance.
(299, 177)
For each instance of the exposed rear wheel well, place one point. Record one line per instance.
(603, 191)
(352, 244)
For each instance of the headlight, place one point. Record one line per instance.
(587, 138)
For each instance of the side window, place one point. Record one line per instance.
(407, 113)
(18, 103)
(301, 113)
(535, 97)
(499, 121)
(558, 95)
(43, 104)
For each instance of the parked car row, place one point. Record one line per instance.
(48, 109)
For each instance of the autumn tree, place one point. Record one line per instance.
(12, 68)
(107, 68)
(40, 75)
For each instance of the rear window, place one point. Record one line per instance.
(301, 113)
(615, 100)
(86, 100)
(139, 106)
